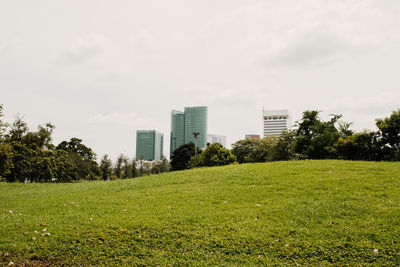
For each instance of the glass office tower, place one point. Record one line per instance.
(177, 130)
(149, 145)
(184, 124)
(196, 122)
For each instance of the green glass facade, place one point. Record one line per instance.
(184, 124)
(177, 130)
(149, 145)
(196, 122)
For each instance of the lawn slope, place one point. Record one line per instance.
(302, 212)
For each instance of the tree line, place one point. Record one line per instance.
(30, 156)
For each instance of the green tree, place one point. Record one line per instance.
(133, 168)
(105, 167)
(125, 168)
(181, 157)
(82, 156)
(254, 150)
(160, 166)
(344, 129)
(214, 155)
(66, 170)
(146, 168)
(360, 146)
(118, 166)
(389, 131)
(6, 160)
(315, 138)
(140, 170)
(285, 147)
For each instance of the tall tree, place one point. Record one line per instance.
(316, 138)
(125, 167)
(118, 166)
(389, 130)
(82, 156)
(105, 167)
(181, 157)
(285, 147)
(133, 168)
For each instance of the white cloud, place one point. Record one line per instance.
(121, 119)
(8, 45)
(83, 49)
(363, 110)
(310, 32)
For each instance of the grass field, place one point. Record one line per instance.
(302, 212)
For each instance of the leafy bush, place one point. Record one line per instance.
(254, 150)
(181, 157)
(213, 155)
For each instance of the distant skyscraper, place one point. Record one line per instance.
(177, 130)
(216, 138)
(149, 145)
(275, 121)
(184, 124)
(196, 122)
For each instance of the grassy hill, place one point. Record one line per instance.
(314, 212)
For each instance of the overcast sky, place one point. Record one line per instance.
(101, 69)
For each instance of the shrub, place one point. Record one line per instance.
(215, 155)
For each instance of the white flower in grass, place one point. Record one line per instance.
(44, 230)
(376, 251)
(91, 218)
(33, 238)
(11, 263)
(36, 232)
(10, 211)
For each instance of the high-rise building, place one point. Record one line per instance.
(275, 122)
(216, 138)
(149, 145)
(185, 124)
(177, 130)
(196, 122)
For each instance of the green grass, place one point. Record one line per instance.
(303, 212)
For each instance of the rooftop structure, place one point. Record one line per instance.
(275, 122)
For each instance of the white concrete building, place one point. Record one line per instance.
(216, 138)
(275, 121)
